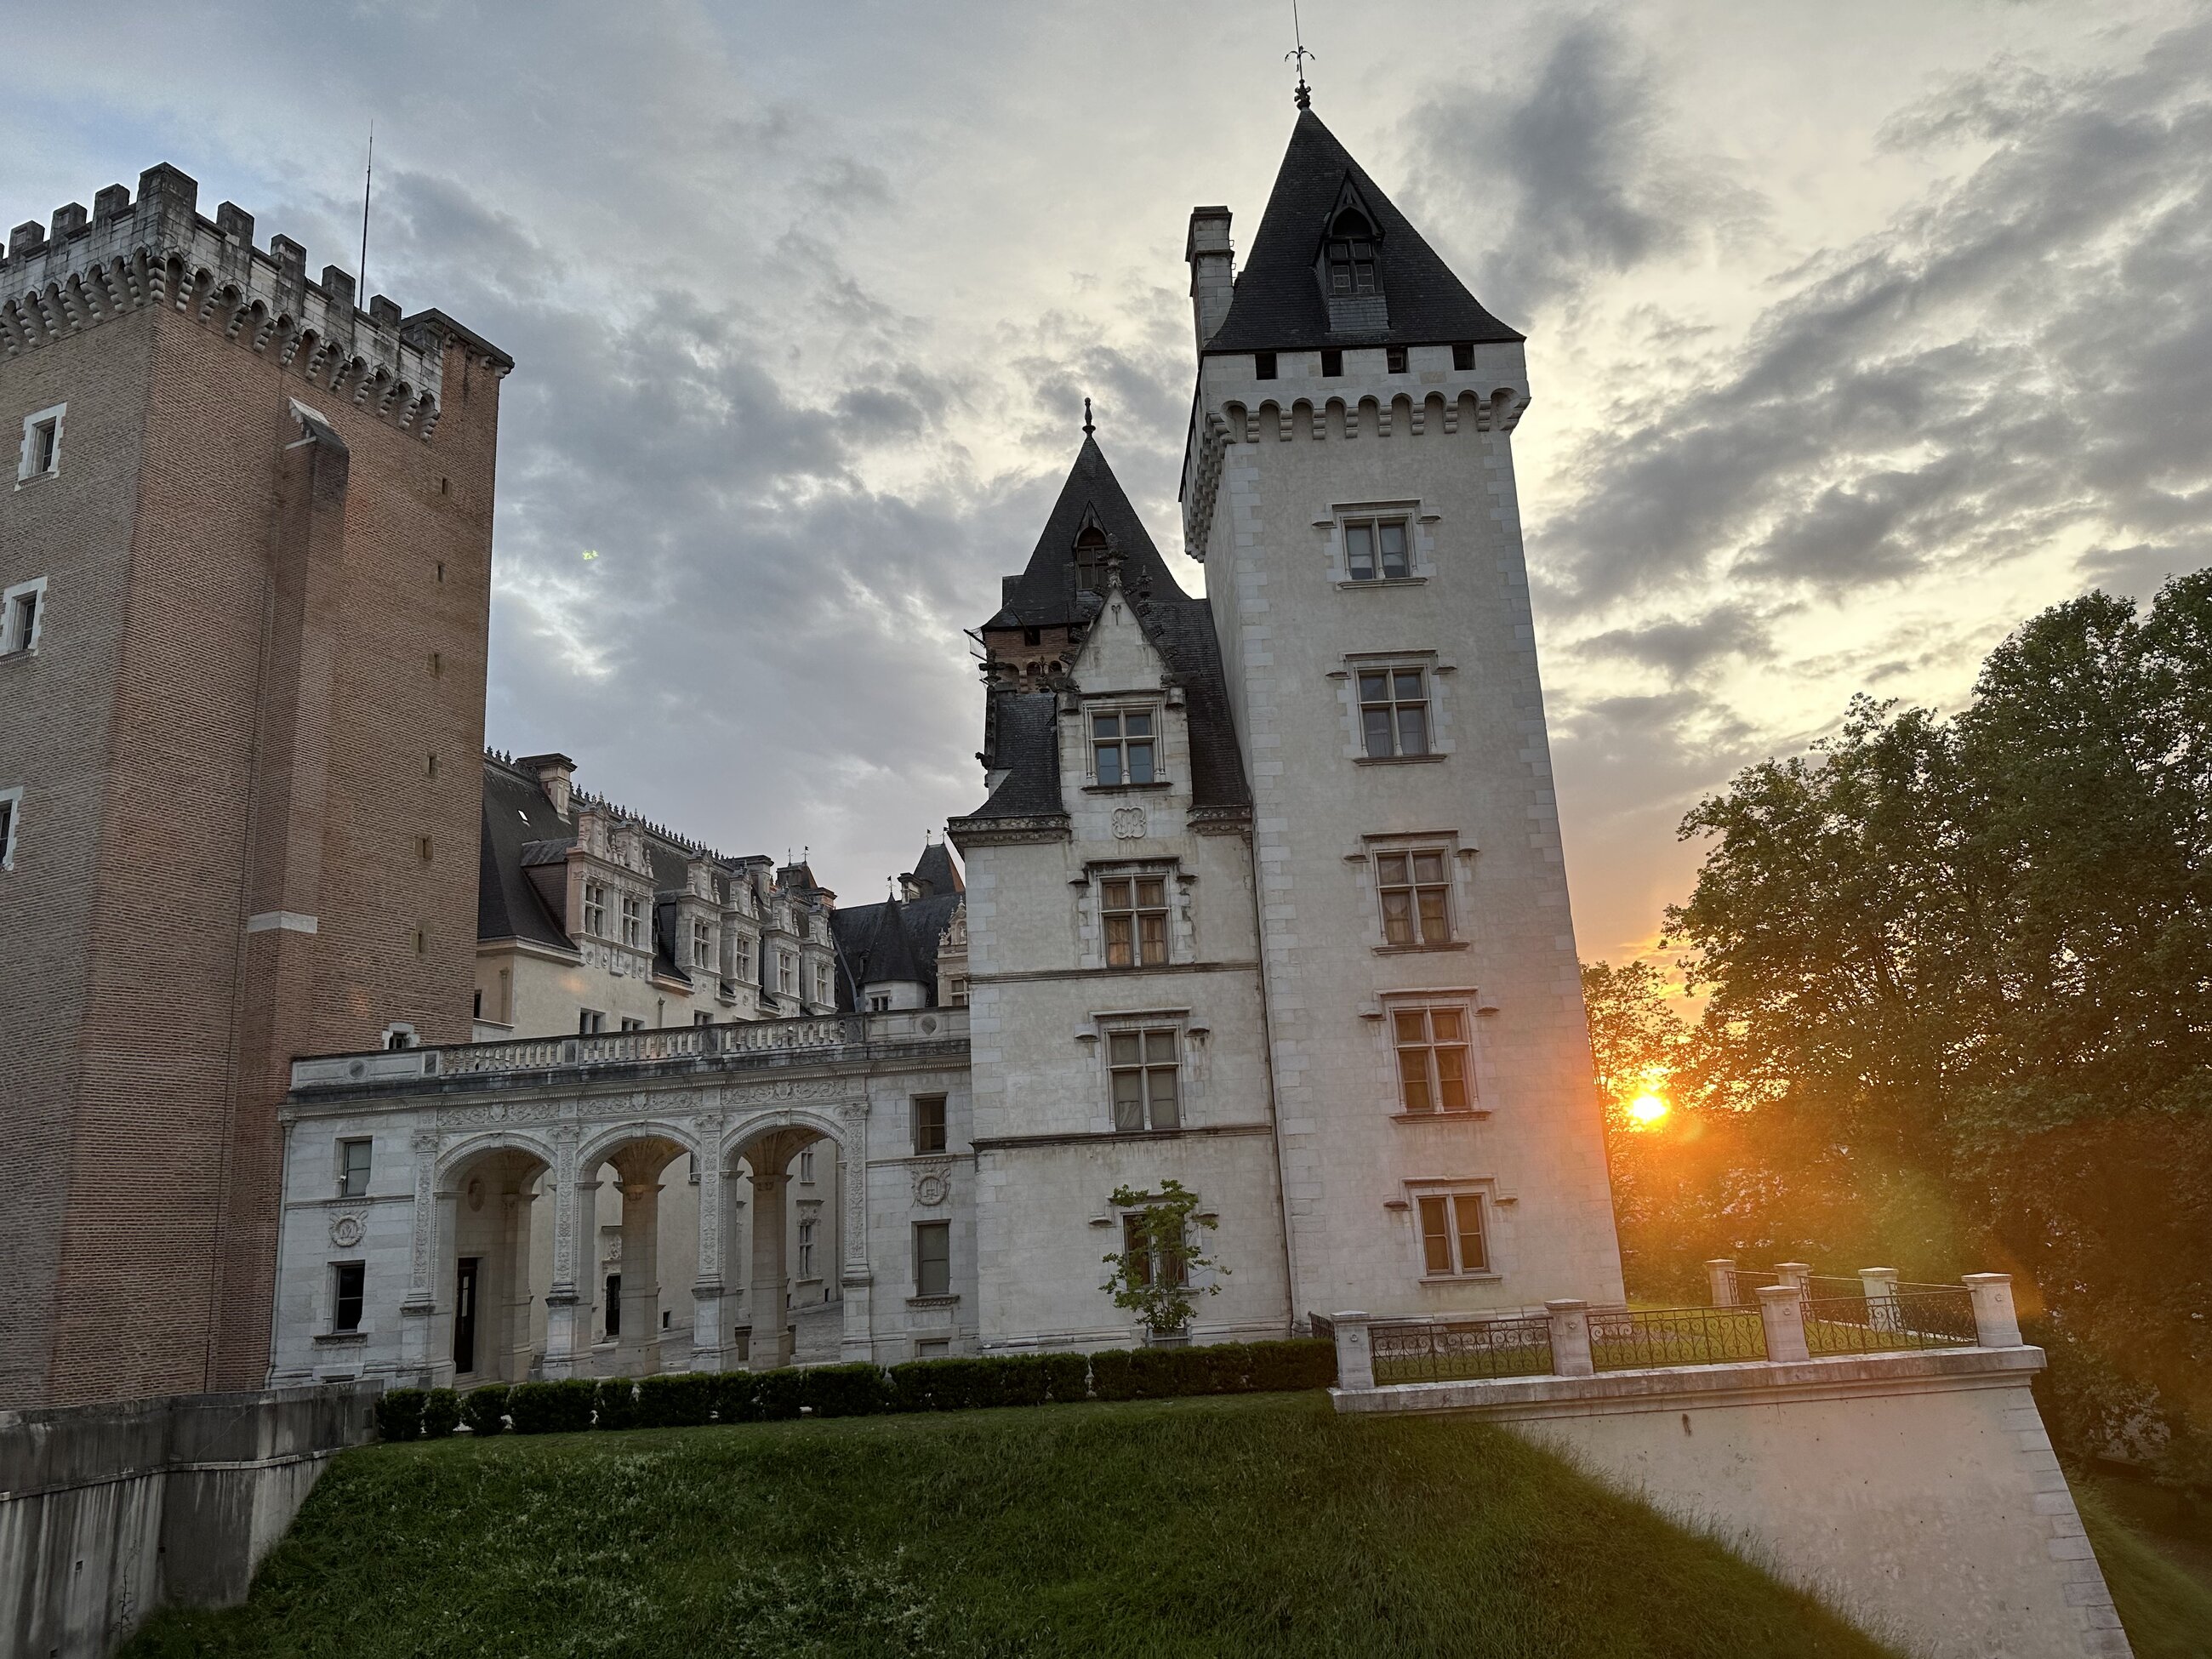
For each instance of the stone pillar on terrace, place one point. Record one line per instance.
(1996, 1324)
(637, 1173)
(1880, 1287)
(856, 1282)
(1782, 1314)
(1571, 1339)
(1355, 1350)
(770, 1345)
(568, 1300)
(1797, 1275)
(427, 1269)
(1720, 1281)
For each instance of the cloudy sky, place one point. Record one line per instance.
(1857, 334)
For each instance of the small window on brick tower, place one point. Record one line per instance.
(10, 805)
(19, 616)
(423, 849)
(41, 455)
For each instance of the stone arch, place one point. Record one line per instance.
(1343, 418)
(450, 1164)
(1436, 411)
(764, 1271)
(1271, 413)
(1372, 414)
(1302, 418)
(489, 1295)
(1402, 408)
(1233, 419)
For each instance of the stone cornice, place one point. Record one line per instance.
(964, 833)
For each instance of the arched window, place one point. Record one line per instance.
(1091, 560)
(1351, 254)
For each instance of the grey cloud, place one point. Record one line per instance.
(1681, 645)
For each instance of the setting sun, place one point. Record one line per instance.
(1647, 1109)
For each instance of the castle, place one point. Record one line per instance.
(1264, 895)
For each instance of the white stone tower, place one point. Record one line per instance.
(1350, 488)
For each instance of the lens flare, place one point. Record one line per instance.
(1647, 1109)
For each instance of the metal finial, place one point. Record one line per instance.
(1303, 97)
(1087, 428)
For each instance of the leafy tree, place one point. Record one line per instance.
(1152, 1276)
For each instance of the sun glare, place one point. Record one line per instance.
(1647, 1109)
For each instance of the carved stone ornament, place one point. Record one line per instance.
(1129, 823)
(932, 1187)
(476, 1195)
(347, 1230)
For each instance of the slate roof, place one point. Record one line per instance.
(1020, 729)
(935, 872)
(897, 939)
(1277, 304)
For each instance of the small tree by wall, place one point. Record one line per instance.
(1150, 1275)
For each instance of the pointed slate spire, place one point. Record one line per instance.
(1046, 594)
(1279, 304)
(935, 873)
(890, 953)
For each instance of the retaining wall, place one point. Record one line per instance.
(109, 1511)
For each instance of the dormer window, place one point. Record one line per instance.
(1350, 255)
(1091, 561)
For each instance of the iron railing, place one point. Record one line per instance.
(1885, 1324)
(1635, 1339)
(1458, 1350)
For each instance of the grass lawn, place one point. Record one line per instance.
(2158, 1563)
(1261, 1524)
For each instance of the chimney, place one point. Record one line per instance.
(1212, 270)
(555, 775)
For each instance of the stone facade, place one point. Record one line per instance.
(264, 520)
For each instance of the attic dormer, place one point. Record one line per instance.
(1349, 268)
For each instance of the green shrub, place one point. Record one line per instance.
(442, 1414)
(560, 1408)
(1157, 1373)
(734, 1397)
(1228, 1368)
(615, 1406)
(1112, 1376)
(909, 1384)
(679, 1400)
(1303, 1362)
(1067, 1376)
(1023, 1379)
(485, 1410)
(779, 1394)
(854, 1390)
(399, 1413)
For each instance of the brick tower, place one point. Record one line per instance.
(246, 561)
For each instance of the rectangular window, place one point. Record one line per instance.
(933, 1347)
(11, 819)
(41, 455)
(1332, 365)
(880, 1003)
(702, 945)
(1176, 1270)
(786, 972)
(1394, 358)
(614, 1304)
(19, 607)
(1462, 357)
(1416, 888)
(933, 1258)
(822, 992)
(590, 1022)
(1263, 366)
(1451, 1235)
(702, 1019)
(1122, 747)
(347, 1279)
(956, 991)
(595, 909)
(1143, 1066)
(353, 1167)
(1135, 910)
(633, 920)
(1376, 549)
(1432, 1074)
(929, 1123)
(1394, 711)
(806, 1249)
(633, 1025)
(806, 1165)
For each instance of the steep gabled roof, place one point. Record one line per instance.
(1045, 593)
(1278, 305)
(935, 873)
(517, 816)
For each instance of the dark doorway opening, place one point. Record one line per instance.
(465, 1316)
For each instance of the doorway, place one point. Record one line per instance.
(465, 1316)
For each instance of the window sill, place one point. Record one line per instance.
(339, 1339)
(1126, 789)
(1397, 760)
(1417, 950)
(1461, 1279)
(1473, 1114)
(1353, 584)
(24, 481)
(933, 1301)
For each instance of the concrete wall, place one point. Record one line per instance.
(1916, 1493)
(107, 1512)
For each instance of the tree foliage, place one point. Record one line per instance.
(1960, 979)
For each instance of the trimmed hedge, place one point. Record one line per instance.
(399, 1413)
(559, 1407)
(442, 1414)
(679, 1399)
(860, 1390)
(485, 1410)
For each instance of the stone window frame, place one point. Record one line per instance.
(54, 417)
(1091, 918)
(1126, 703)
(11, 825)
(594, 905)
(1467, 1004)
(591, 1022)
(1483, 1189)
(345, 1144)
(1458, 860)
(1190, 1035)
(633, 922)
(1437, 672)
(944, 1124)
(702, 943)
(16, 641)
(922, 1294)
(1421, 521)
(333, 1281)
(803, 1269)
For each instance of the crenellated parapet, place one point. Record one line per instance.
(86, 268)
